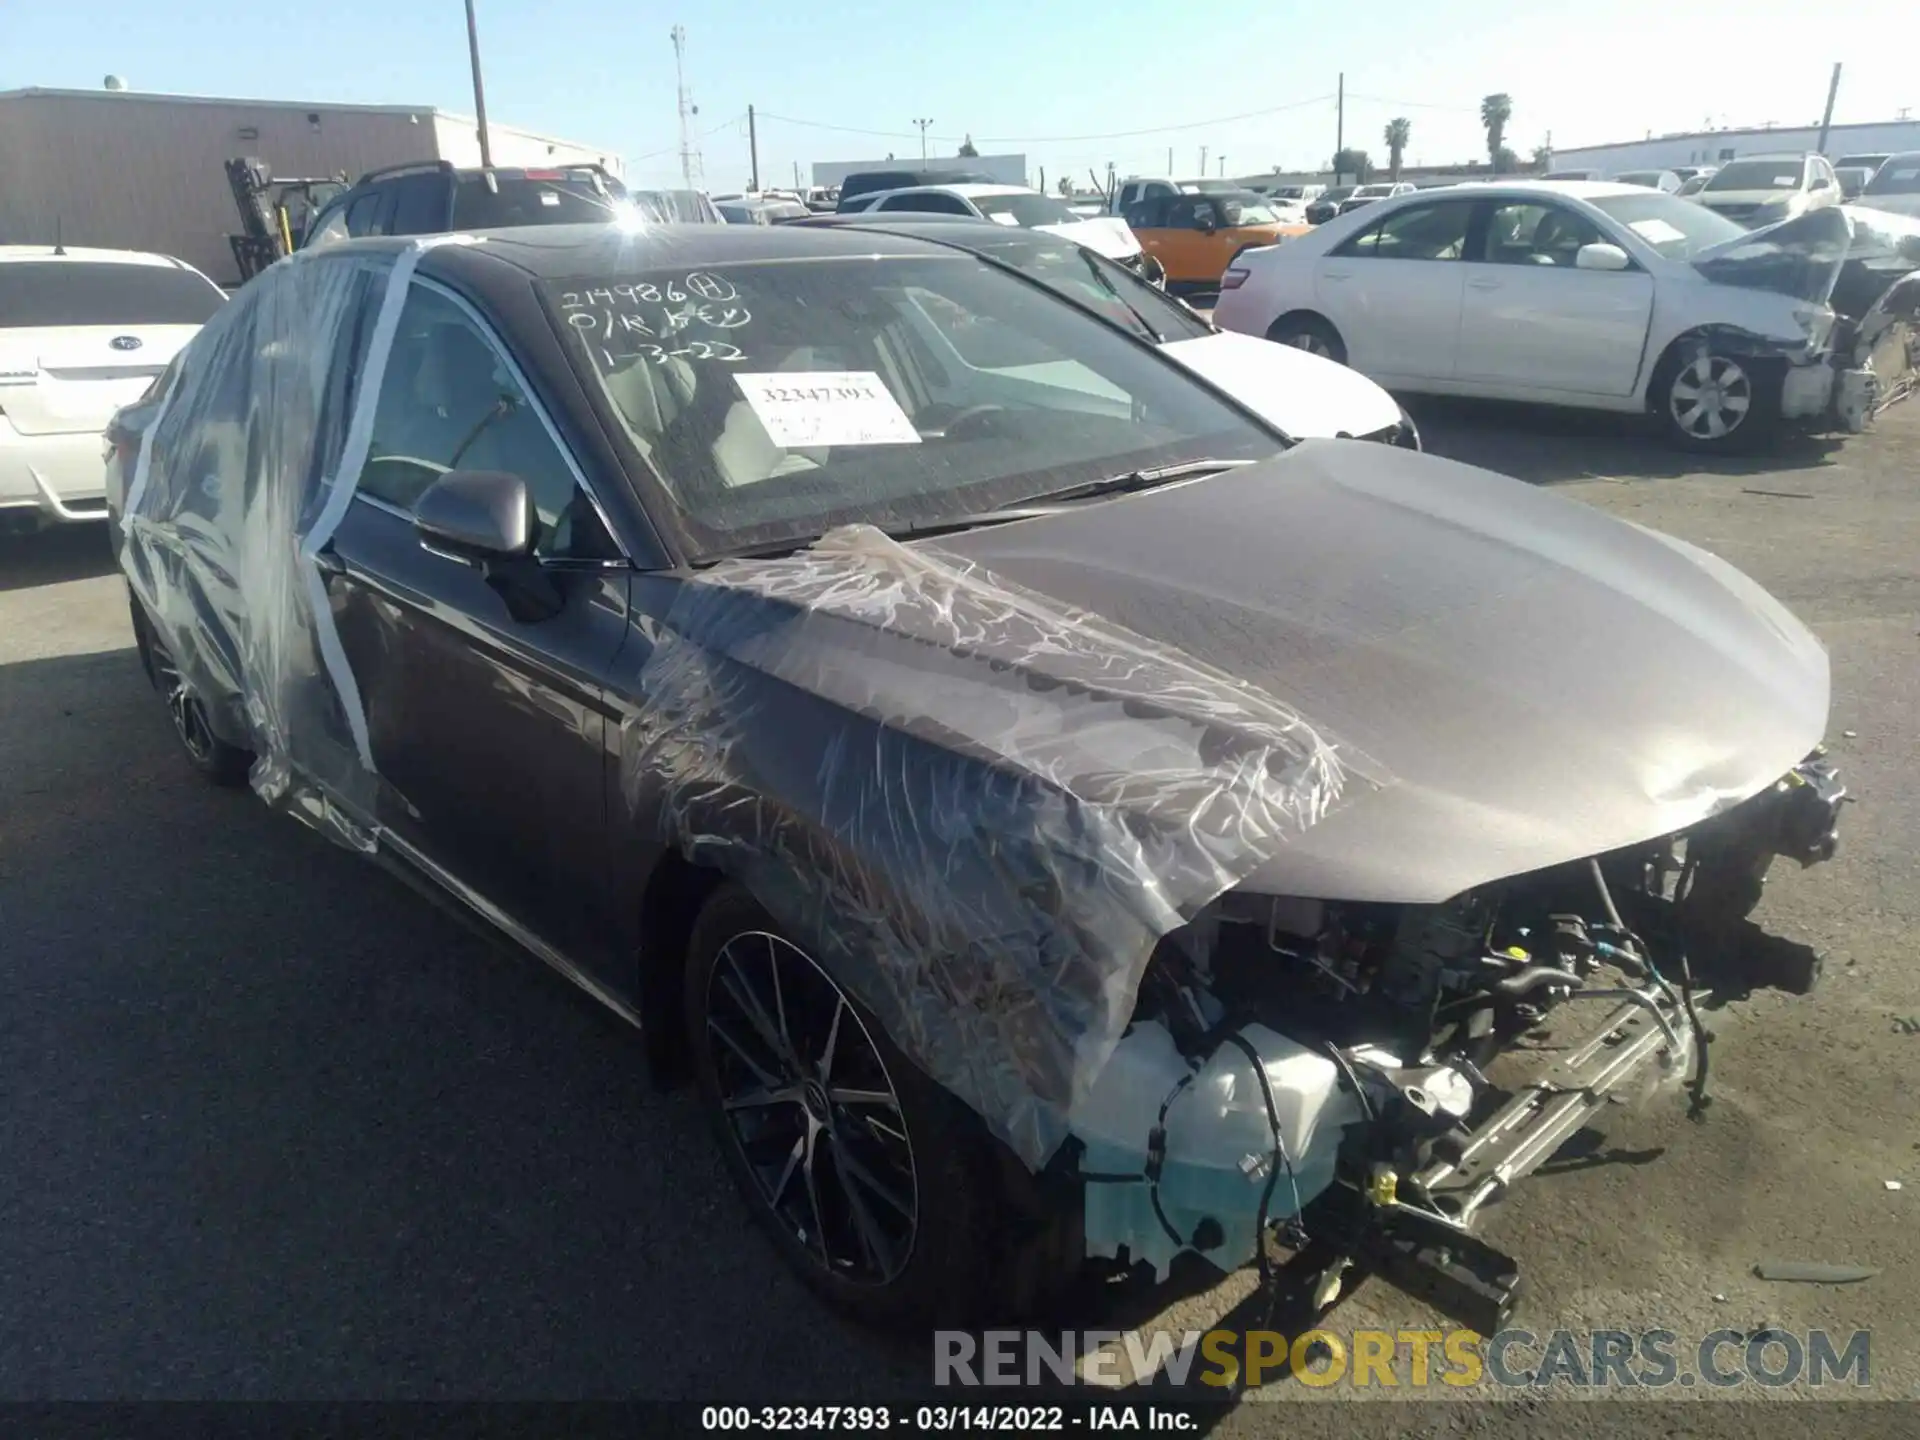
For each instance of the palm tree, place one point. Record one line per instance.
(1495, 111)
(1397, 134)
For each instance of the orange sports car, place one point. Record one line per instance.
(1196, 236)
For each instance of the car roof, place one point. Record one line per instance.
(82, 255)
(1574, 189)
(963, 231)
(966, 190)
(553, 251)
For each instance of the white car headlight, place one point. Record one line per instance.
(1815, 322)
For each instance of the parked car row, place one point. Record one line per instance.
(895, 663)
(1610, 297)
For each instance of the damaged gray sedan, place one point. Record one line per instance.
(1054, 820)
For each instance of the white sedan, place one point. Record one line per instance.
(1011, 205)
(82, 332)
(1570, 293)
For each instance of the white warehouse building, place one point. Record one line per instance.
(1006, 169)
(1716, 147)
(131, 171)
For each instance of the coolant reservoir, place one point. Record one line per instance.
(1219, 1144)
(1222, 1117)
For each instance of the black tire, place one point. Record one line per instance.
(1713, 403)
(1309, 333)
(223, 764)
(936, 1268)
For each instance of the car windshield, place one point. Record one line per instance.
(536, 198)
(69, 292)
(1093, 282)
(1338, 192)
(1370, 192)
(675, 207)
(776, 400)
(1640, 177)
(1758, 175)
(1676, 228)
(1899, 176)
(1249, 211)
(1021, 209)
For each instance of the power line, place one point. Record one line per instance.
(1414, 104)
(739, 119)
(1053, 139)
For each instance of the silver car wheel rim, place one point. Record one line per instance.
(1711, 397)
(1313, 344)
(189, 718)
(812, 1109)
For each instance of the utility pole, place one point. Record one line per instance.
(1169, 162)
(1826, 120)
(479, 90)
(1203, 159)
(1223, 166)
(753, 151)
(796, 174)
(923, 124)
(690, 169)
(1340, 125)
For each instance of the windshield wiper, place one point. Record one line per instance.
(1051, 503)
(1114, 290)
(1139, 479)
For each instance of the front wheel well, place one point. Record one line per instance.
(676, 892)
(1298, 315)
(1730, 340)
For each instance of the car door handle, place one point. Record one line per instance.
(1485, 282)
(329, 563)
(1333, 274)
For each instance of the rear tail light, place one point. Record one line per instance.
(1233, 279)
(546, 174)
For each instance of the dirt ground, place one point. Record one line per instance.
(274, 1127)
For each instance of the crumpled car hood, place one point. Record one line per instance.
(1846, 256)
(1540, 680)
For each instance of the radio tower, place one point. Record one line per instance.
(690, 167)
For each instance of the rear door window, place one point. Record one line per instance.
(419, 204)
(518, 200)
(368, 215)
(36, 294)
(929, 203)
(1415, 232)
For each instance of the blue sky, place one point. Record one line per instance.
(1064, 83)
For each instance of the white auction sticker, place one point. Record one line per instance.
(802, 408)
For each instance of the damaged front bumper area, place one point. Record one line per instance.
(1857, 273)
(1313, 1073)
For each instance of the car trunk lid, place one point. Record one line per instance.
(56, 381)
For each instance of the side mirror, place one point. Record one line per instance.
(1820, 182)
(1205, 223)
(477, 515)
(486, 518)
(1600, 256)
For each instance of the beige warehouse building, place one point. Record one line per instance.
(145, 172)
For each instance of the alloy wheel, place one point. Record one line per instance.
(812, 1109)
(1711, 397)
(1313, 344)
(189, 718)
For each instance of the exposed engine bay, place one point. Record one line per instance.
(1317, 1069)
